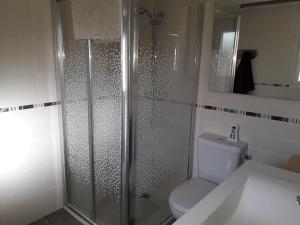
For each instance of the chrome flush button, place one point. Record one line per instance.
(298, 199)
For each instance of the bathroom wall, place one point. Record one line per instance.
(270, 126)
(30, 166)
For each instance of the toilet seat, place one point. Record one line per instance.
(188, 194)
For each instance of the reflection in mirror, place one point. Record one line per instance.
(224, 51)
(296, 80)
(256, 48)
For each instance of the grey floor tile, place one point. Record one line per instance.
(40, 222)
(60, 217)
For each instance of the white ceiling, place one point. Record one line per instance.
(241, 1)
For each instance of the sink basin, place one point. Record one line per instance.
(254, 195)
(261, 200)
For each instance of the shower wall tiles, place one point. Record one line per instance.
(30, 174)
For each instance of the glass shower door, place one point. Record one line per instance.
(78, 167)
(167, 47)
(106, 95)
(91, 105)
(165, 83)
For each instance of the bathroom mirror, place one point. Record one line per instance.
(256, 48)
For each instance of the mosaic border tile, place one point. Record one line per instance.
(273, 85)
(251, 114)
(206, 107)
(30, 106)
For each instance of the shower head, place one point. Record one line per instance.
(154, 19)
(143, 11)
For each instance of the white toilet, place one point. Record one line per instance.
(217, 159)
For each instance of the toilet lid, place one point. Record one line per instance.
(188, 194)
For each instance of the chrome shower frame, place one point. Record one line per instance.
(195, 90)
(59, 65)
(129, 64)
(129, 58)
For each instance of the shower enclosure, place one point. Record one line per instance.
(128, 89)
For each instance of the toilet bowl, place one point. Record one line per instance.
(188, 194)
(217, 158)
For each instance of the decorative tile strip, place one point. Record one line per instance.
(210, 107)
(251, 114)
(31, 106)
(279, 118)
(273, 85)
(231, 110)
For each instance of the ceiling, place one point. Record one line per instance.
(234, 5)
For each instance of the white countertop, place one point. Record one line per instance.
(208, 205)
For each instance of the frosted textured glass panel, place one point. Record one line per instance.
(163, 148)
(106, 85)
(105, 128)
(164, 107)
(78, 167)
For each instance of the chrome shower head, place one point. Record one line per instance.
(143, 11)
(154, 19)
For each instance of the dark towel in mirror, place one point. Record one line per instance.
(243, 80)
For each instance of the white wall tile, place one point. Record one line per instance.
(41, 17)
(281, 137)
(44, 55)
(18, 89)
(30, 163)
(17, 56)
(283, 108)
(54, 198)
(15, 19)
(270, 141)
(30, 149)
(220, 122)
(271, 158)
(27, 54)
(25, 211)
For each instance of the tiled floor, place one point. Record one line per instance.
(60, 217)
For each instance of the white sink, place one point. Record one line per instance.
(254, 195)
